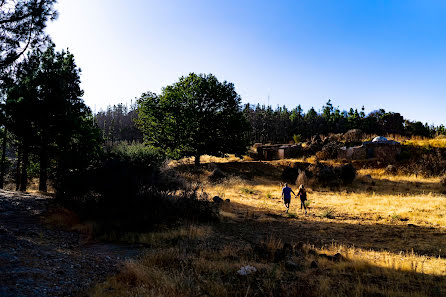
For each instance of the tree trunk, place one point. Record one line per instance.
(17, 170)
(197, 159)
(43, 174)
(2, 166)
(24, 176)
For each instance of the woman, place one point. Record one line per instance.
(303, 197)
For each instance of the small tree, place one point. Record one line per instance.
(196, 115)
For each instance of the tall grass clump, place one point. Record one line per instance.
(129, 189)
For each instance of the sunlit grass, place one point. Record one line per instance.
(182, 260)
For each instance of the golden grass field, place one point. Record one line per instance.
(390, 231)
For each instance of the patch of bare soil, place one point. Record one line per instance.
(36, 260)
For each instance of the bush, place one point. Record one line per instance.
(129, 189)
(297, 138)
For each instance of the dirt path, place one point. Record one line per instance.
(37, 261)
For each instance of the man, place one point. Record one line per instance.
(286, 196)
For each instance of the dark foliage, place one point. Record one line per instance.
(117, 124)
(127, 190)
(22, 23)
(50, 122)
(283, 125)
(195, 116)
(426, 161)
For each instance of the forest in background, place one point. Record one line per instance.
(282, 125)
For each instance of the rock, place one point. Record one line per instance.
(217, 199)
(313, 264)
(227, 200)
(346, 173)
(390, 169)
(291, 266)
(338, 257)
(216, 175)
(245, 270)
(353, 136)
(312, 252)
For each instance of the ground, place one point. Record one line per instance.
(383, 235)
(39, 260)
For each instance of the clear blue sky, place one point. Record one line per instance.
(380, 54)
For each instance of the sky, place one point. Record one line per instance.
(376, 54)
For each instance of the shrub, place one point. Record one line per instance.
(297, 138)
(128, 189)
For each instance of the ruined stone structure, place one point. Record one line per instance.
(379, 148)
(277, 152)
(383, 149)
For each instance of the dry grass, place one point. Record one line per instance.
(390, 230)
(439, 142)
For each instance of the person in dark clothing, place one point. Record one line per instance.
(286, 196)
(303, 197)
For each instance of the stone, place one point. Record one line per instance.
(291, 266)
(313, 264)
(390, 169)
(338, 257)
(217, 199)
(216, 175)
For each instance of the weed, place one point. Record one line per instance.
(395, 217)
(328, 213)
(307, 203)
(247, 191)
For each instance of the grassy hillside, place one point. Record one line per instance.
(382, 236)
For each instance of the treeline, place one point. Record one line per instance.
(282, 125)
(117, 124)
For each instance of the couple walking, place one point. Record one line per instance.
(286, 196)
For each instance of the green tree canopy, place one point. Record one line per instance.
(21, 26)
(46, 113)
(195, 116)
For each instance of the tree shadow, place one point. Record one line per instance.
(427, 241)
(390, 187)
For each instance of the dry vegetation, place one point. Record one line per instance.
(390, 231)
